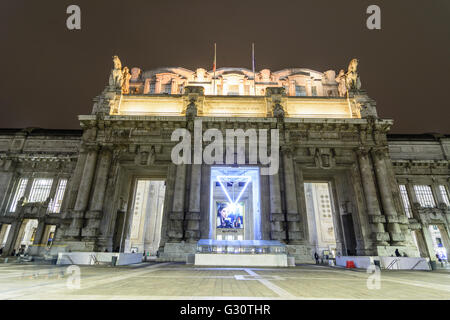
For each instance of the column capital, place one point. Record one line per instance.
(362, 151)
(286, 150)
(380, 152)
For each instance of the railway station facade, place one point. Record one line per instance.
(344, 185)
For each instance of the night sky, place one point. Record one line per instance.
(51, 74)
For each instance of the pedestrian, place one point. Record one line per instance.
(316, 256)
(397, 253)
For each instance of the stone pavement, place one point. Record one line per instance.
(180, 281)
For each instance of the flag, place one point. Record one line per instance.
(214, 70)
(214, 63)
(253, 67)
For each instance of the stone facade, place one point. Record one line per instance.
(323, 137)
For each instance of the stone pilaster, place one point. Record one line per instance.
(39, 232)
(101, 179)
(12, 236)
(428, 241)
(96, 204)
(7, 178)
(176, 216)
(86, 180)
(192, 223)
(376, 219)
(83, 193)
(76, 179)
(277, 219)
(390, 212)
(290, 192)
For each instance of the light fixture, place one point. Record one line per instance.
(224, 178)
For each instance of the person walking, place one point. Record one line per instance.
(316, 256)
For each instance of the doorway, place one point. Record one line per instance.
(438, 236)
(321, 212)
(235, 204)
(49, 235)
(27, 233)
(144, 232)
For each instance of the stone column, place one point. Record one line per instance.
(96, 205)
(412, 200)
(176, 217)
(84, 190)
(277, 220)
(147, 86)
(292, 214)
(12, 237)
(193, 217)
(437, 192)
(3, 227)
(86, 180)
(76, 178)
(428, 241)
(379, 156)
(376, 220)
(7, 176)
(39, 232)
(101, 179)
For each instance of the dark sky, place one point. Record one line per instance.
(50, 74)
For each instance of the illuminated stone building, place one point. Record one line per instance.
(344, 184)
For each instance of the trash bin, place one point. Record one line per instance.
(114, 261)
(433, 265)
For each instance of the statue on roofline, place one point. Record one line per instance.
(119, 78)
(342, 86)
(116, 76)
(348, 81)
(126, 76)
(351, 77)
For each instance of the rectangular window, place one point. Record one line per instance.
(168, 88)
(20, 191)
(405, 200)
(55, 204)
(40, 190)
(300, 91)
(444, 195)
(314, 91)
(425, 196)
(152, 88)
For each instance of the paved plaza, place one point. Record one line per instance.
(180, 281)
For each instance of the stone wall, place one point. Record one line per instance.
(355, 155)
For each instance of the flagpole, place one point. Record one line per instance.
(214, 70)
(253, 67)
